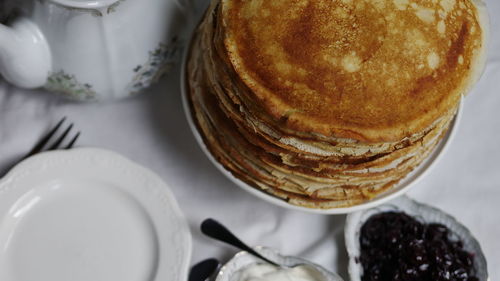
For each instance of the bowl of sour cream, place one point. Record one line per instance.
(245, 267)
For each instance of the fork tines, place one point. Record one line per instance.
(57, 144)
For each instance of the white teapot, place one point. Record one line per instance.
(90, 49)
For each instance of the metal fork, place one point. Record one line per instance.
(42, 145)
(39, 147)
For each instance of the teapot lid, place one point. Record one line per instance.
(85, 4)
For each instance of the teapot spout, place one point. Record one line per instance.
(25, 58)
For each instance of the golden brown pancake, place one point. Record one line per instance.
(367, 70)
(247, 161)
(322, 160)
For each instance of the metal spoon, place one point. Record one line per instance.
(203, 270)
(216, 230)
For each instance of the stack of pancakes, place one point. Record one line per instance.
(329, 103)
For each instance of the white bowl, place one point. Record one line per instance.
(422, 212)
(243, 259)
(401, 188)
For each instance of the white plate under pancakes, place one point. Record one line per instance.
(89, 214)
(401, 188)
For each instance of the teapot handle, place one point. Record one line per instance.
(25, 58)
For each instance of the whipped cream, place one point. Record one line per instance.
(267, 272)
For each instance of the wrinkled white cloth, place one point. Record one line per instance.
(151, 129)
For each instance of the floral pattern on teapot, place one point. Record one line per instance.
(67, 84)
(160, 62)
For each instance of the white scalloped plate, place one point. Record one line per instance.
(401, 188)
(90, 214)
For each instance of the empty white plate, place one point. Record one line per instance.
(89, 215)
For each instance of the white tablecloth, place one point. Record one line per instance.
(151, 129)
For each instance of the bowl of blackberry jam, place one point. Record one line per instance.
(405, 240)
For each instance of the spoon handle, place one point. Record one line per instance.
(216, 230)
(202, 270)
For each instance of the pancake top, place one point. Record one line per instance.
(372, 70)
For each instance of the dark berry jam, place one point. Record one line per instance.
(397, 247)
